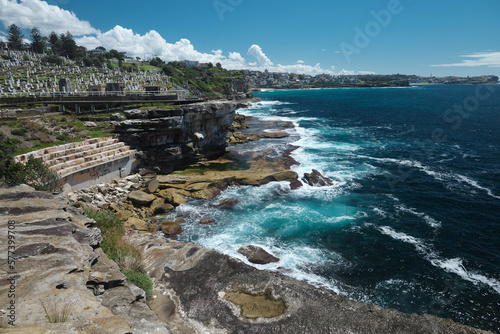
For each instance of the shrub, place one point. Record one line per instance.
(141, 280)
(19, 132)
(35, 173)
(53, 59)
(63, 137)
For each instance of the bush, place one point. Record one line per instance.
(35, 173)
(53, 59)
(19, 132)
(141, 280)
(63, 137)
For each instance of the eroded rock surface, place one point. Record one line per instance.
(57, 259)
(203, 291)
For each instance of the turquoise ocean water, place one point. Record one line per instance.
(413, 219)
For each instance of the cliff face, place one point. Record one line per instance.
(50, 254)
(237, 89)
(172, 139)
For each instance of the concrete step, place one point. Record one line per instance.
(49, 158)
(85, 165)
(80, 158)
(55, 151)
(90, 150)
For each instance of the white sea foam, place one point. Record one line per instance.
(475, 184)
(380, 212)
(454, 265)
(428, 219)
(445, 177)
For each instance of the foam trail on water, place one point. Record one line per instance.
(428, 219)
(440, 176)
(454, 265)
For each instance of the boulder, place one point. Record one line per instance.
(227, 203)
(136, 224)
(153, 228)
(90, 124)
(116, 117)
(207, 221)
(316, 179)
(170, 228)
(295, 184)
(153, 186)
(164, 208)
(257, 255)
(173, 196)
(180, 220)
(208, 193)
(278, 134)
(141, 198)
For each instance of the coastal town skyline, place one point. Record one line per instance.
(379, 37)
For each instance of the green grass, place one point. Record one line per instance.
(158, 106)
(147, 67)
(127, 256)
(142, 280)
(56, 311)
(37, 146)
(99, 134)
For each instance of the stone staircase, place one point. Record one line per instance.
(74, 157)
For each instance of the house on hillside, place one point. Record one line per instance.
(191, 63)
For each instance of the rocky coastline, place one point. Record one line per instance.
(196, 290)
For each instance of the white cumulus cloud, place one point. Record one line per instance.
(48, 18)
(490, 59)
(261, 57)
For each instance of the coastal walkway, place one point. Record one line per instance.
(89, 162)
(94, 100)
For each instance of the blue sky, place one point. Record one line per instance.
(336, 36)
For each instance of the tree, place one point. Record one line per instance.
(53, 38)
(2, 45)
(102, 48)
(156, 62)
(14, 37)
(68, 45)
(210, 65)
(37, 41)
(218, 65)
(114, 54)
(55, 42)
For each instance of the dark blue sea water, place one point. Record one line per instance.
(413, 220)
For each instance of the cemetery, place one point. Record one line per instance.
(23, 74)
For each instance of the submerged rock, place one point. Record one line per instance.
(257, 255)
(207, 221)
(227, 203)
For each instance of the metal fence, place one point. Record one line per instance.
(182, 94)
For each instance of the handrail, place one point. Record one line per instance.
(7, 95)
